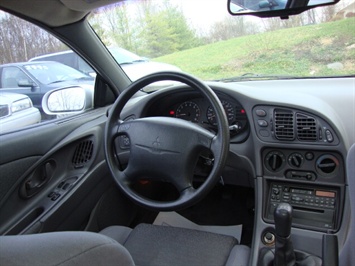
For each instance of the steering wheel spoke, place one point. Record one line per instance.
(115, 130)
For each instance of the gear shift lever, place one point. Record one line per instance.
(284, 252)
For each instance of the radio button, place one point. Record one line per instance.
(296, 198)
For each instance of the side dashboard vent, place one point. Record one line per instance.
(83, 153)
(284, 124)
(306, 127)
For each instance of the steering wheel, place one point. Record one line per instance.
(166, 148)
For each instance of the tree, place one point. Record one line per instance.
(96, 22)
(230, 27)
(328, 13)
(121, 26)
(22, 40)
(164, 30)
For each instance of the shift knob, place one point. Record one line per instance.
(283, 220)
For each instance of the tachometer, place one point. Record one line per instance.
(188, 111)
(228, 108)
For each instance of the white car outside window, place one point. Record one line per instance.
(16, 111)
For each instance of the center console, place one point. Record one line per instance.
(310, 181)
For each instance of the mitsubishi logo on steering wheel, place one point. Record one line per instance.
(156, 145)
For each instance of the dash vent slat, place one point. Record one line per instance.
(83, 153)
(284, 124)
(306, 128)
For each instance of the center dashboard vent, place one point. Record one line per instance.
(284, 124)
(83, 153)
(306, 128)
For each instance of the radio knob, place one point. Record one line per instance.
(275, 191)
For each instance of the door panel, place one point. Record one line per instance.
(49, 171)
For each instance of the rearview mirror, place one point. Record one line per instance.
(274, 8)
(69, 100)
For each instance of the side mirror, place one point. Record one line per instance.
(26, 83)
(274, 8)
(68, 100)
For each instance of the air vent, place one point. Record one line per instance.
(284, 124)
(327, 164)
(83, 153)
(306, 128)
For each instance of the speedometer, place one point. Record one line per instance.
(229, 110)
(188, 111)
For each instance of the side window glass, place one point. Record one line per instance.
(11, 77)
(66, 59)
(30, 71)
(8, 77)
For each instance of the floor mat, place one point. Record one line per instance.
(175, 219)
(224, 206)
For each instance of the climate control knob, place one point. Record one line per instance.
(296, 160)
(274, 161)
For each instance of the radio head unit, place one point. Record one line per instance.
(315, 207)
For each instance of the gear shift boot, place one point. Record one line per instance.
(284, 254)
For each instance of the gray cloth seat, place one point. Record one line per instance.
(118, 245)
(62, 248)
(165, 245)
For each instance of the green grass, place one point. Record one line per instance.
(301, 51)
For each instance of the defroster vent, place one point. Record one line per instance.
(306, 127)
(284, 124)
(83, 153)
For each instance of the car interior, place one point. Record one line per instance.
(198, 173)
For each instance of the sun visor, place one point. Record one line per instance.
(87, 5)
(41, 11)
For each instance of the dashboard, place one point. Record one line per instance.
(289, 140)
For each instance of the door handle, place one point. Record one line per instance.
(37, 180)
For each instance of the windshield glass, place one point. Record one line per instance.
(203, 39)
(123, 56)
(48, 73)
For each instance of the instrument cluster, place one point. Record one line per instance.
(198, 110)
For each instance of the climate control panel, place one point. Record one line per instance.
(303, 165)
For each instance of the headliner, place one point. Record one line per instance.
(53, 13)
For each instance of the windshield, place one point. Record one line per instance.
(203, 39)
(48, 73)
(123, 56)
